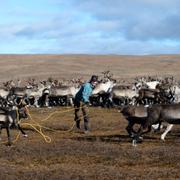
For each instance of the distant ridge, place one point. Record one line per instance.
(42, 66)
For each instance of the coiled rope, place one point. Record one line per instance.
(38, 128)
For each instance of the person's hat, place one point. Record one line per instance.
(94, 78)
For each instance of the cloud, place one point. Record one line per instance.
(139, 19)
(162, 28)
(92, 26)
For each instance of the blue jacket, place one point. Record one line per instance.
(84, 93)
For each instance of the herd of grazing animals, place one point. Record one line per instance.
(146, 101)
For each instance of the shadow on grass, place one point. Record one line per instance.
(108, 138)
(111, 138)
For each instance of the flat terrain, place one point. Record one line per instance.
(75, 66)
(105, 153)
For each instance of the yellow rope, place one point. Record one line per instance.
(57, 112)
(36, 125)
(46, 138)
(17, 137)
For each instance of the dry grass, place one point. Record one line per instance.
(70, 66)
(106, 153)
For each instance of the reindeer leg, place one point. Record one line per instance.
(138, 137)
(36, 102)
(71, 101)
(159, 127)
(148, 130)
(168, 128)
(22, 131)
(46, 100)
(9, 137)
(129, 129)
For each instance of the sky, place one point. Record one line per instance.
(122, 27)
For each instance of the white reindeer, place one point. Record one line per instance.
(37, 93)
(66, 91)
(4, 93)
(152, 84)
(103, 87)
(176, 90)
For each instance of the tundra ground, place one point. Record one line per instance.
(105, 153)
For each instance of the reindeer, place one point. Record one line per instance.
(101, 93)
(9, 117)
(124, 96)
(62, 95)
(168, 113)
(40, 93)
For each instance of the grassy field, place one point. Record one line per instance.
(105, 153)
(59, 67)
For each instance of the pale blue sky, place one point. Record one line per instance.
(134, 27)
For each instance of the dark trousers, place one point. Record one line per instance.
(80, 106)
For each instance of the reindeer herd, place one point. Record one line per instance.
(108, 92)
(145, 101)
